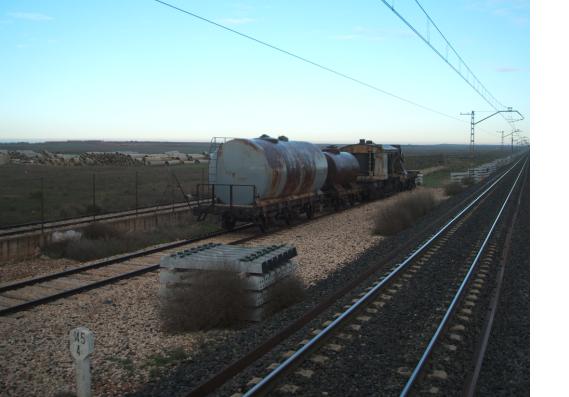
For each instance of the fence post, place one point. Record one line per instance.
(42, 204)
(136, 192)
(94, 202)
(172, 190)
(135, 199)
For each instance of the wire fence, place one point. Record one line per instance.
(46, 194)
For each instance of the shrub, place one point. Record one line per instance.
(468, 181)
(56, 249)
(285, 293)
(403, 210)
(215, 300)
(86, 249)
(100, 240)
(453, 188)
(97, 231)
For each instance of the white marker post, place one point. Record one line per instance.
(82, 344)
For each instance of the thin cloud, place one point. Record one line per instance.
(507, 69)
(235, 21)
(30, 16)
(514, 10)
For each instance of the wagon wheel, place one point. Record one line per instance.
(309, 211)
(261, 221)
(287, 216)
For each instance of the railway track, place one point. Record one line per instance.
(459, 312)
(325, 342)
(25, 294)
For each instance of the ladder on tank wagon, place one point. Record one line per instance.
(215, 144)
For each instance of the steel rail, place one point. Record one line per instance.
(231, 370)
(100, 283)
(470, 386)
(107, 262)
(264, 384)
(115, 259)
(73, 291)
(427, 353)
(265, 347)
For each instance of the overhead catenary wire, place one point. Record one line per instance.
(476, 84)
(313, 63)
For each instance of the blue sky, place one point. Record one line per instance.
(137, 70)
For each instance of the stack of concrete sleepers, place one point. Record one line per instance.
(259, 268)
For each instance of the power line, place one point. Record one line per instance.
(476, 84)
(497, 105)
(318, 65)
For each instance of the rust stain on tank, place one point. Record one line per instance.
(274, 159)
(298, 160)
(343, 168)
(293, 173)
(308, 174)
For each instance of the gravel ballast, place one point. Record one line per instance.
(12, 271)
(339, 383)
(131, 350)
(506, 366)
(384, 347)
(133, 355)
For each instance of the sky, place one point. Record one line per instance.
(138, 70)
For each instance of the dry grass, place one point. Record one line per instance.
(468, 181)
(453, 188)
(98, 231)
(218, 299)
(402, 211)
(100, 240)
(215, 300)
(286, 293)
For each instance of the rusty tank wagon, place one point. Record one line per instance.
(341, 180)
(265, 180)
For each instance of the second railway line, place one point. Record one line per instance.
(332, 361)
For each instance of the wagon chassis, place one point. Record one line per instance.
(261, 211)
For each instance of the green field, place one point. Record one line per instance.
(68, 191)
(436, 179)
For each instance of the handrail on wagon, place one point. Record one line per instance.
(211, 188)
